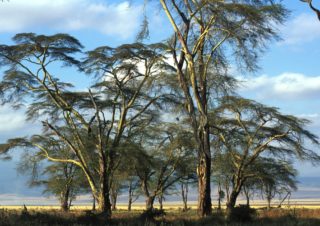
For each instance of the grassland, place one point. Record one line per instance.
(81, 216)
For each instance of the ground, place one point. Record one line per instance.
(81, 216)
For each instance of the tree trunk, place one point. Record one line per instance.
(204, 172)
(149, 203)
(184, 194)
(93, 203)
(104, 204)
(64, 200)
(219, 196)
(227, 187)
(160, 198)
(246, 192)
(269, 203)
(233, 199)
(236, 189)
(114, 196)
(130, 196)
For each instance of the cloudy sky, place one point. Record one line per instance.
(289, 77)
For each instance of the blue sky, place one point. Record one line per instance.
(289, 77)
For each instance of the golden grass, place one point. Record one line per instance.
(167, 206)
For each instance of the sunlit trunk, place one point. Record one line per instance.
(104, 204)
(204, 172)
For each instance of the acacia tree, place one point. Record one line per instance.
(63, 180)
(249, 130)
(275, 178)
(79, 119)
(165, 150)
(201, 29)
(222, 172)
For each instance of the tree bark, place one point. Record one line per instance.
(149, 203)
(104, 204)
(233, 199)
(204, 172)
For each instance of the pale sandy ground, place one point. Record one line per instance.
(294, 203)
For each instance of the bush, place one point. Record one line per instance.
(242, 213)
(152, 214)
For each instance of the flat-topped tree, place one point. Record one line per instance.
(208, 35)
(248, 130)
(90, 124)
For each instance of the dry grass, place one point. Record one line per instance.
(80, 216)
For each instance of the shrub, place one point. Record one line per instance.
(242, 213)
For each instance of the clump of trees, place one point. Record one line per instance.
(146, 126)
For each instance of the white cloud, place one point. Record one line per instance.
(119, 19)
(301, 29)
(10, 120)
(285, 86)
(13, 124)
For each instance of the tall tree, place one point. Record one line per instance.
(249, 130)
(80, 119)
(201, 30)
